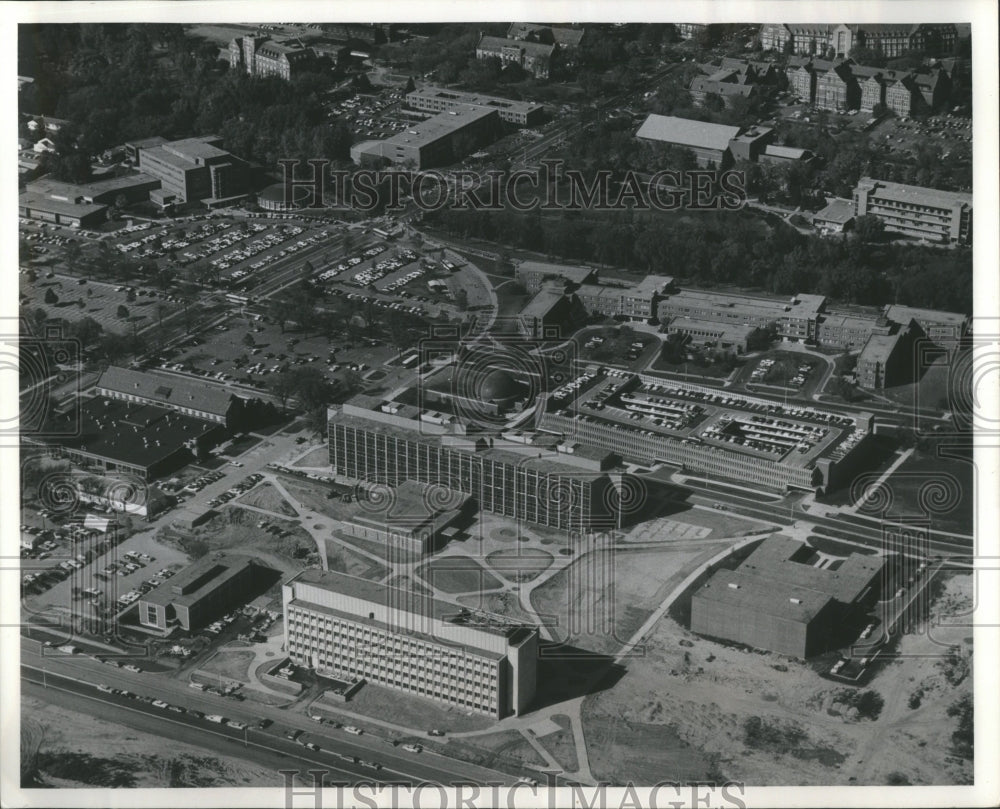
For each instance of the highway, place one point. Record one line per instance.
(74, 679)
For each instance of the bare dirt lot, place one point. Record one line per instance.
(765, 719)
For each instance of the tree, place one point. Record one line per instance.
(869, 228)
(248, 340)
(50, 297)
(122, 311)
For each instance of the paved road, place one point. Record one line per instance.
(397, 764)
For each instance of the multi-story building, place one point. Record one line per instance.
(782, 600)
(438, 141)
(891, 39)
(194, 169)
(258, 55)
(795, 319)
(438, 99)
(533, 274)
(887, 360)
(924, 213)
(371, 444)
(900, 95)
(191, 398)
(533, 57)
(711, 333)
(837, 89)
(202, 592)
(849, 331)
(568, 39)
(635, 301)
(946, 327)
(349, 629)
(689, 30)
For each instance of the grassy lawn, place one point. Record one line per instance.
(267, 497)
(917, 482)
(318, 457)
(413, 711)
(458, 574)
(231, 665)
(561, 745)
(501, 750)
(343, 560)
(519, 565)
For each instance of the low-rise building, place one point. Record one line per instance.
(201, 593)
(349, 629)
(782, 600)
(924, 213)
(439, 99)
(709, 142)
(836, 217)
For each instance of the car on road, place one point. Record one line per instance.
(435, 732)
(159, 703)
(413, 748)
(293, 734)
(264, 723)
(133, 668)
(312, 746)
(107, 689)
(353, 730)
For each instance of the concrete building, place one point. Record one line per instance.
(138, 439)
(350, 629)
(924, 213)
(785, 155)
(888, 360)
(82, 205)
(836, 217)
(439, 99)
(796, 318)
(438, 141)
(389, 442)
(532, 274)
(194, 170)
(709, 142)
(551, 312)
(849, 332)
(784, 600)
(938, 326)
(187, 396)
(710, 333)
(533, 57)
(259, 55)
(199, 594)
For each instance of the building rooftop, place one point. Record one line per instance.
(758, 595)
(530, 48)
(839, 211)
(198, 580)
(476, 99)
(543, 303)
(134, 434)
(878, 348)
(685, 132)
(904, 314)
(39, 202)
(802, 305)
(914, 194)
(785, 152)
(576, 274)
(438, 126)
(176, 391)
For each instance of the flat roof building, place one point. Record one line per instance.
(836, 217)
(937, 325)
(200, 593)
(348, 628)
(796, 317)
(924, 213)
(709, 142)
(783, 599)
(532, 57)
(439, 99)
(194, 170)
(438, 141)
(532, 274)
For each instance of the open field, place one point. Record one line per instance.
(768, 719)
(458, 574)
(318, 457)
(561, 745)
(501, 750)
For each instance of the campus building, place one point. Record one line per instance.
(438, 99)
(136, 438)
(551, 483)
(352, 629)
(888, 360)
(892, 40)
(785, 599)
(201, 593)
(191, 397)
(532, 274)
(258, 55)
(194, 170)
(924, 213)
(438, 141)
(849, 331)
(83, 205)
(938, 326)
(795, 318)
(552, 313)
(709, 142)
(651, 420)
(532, 57)
(568, 39)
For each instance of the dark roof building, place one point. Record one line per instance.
(533, 57)
(188, 396)
(259, 55)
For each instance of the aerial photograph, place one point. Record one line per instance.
(510, 406)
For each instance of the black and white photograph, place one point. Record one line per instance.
(410, 406)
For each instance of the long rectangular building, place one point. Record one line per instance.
(348, 628)
(439, 99)
(924, 213)
(380, 447)
(796, 318)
